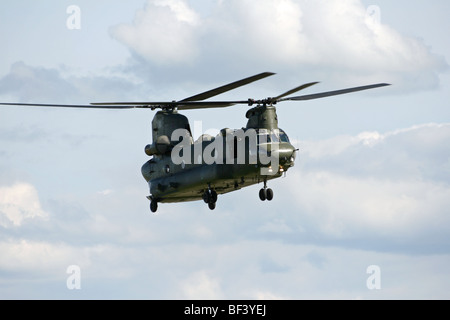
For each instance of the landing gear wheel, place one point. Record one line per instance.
(266, 193)
(210, 197)
(213, 197)
(269, 194)
(212, 205)
(206, 197)
(263, 194)
(153, 206)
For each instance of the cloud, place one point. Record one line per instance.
(25, 255)
(162, 32)
(418, 151)
(172, 44)
(37, 84)
(18, 203)
(200, 286)
(335, 40)
(338, 211)
(386, 191)
(27, 83)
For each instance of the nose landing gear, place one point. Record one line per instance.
(266, 193)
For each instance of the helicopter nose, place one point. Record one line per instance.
(286, 154)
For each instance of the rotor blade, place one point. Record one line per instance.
(194, 102)
(334, 93)
(69, 106)
(191, 105)
(228, 87)
(205, 105)
(302, 87)
(131, 105)
(188, 105)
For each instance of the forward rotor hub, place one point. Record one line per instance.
(263, 102)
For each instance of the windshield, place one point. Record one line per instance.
(283, 136)
(277, 135)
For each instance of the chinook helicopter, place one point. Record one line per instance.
(182, 169)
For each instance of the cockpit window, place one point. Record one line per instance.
(275, 136)
(283, 136)
(266, 136)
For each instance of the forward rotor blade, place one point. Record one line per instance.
(188, 105)
(302, 87)
(228, 87)
(334, 93)
(194, 102)
(69, 106)
(131, 105)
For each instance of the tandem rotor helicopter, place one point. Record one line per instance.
(182, 169)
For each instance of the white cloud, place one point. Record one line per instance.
(37, 84)
(18, 203)
(162, 32)
(345, 207)
(37, 256)
(392, 187)
(419, 151)
(331, 218)
(263, 31)
(335, 39)
(201, 286)
(65, 85)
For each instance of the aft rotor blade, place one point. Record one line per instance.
(228, 87)
(334, 93)
(204, 105)
(302, 87)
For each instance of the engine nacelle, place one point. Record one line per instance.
(161, 147)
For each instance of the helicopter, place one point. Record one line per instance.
(182, 170)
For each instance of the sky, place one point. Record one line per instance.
(362, 215)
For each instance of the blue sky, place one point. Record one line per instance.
(371, 185)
